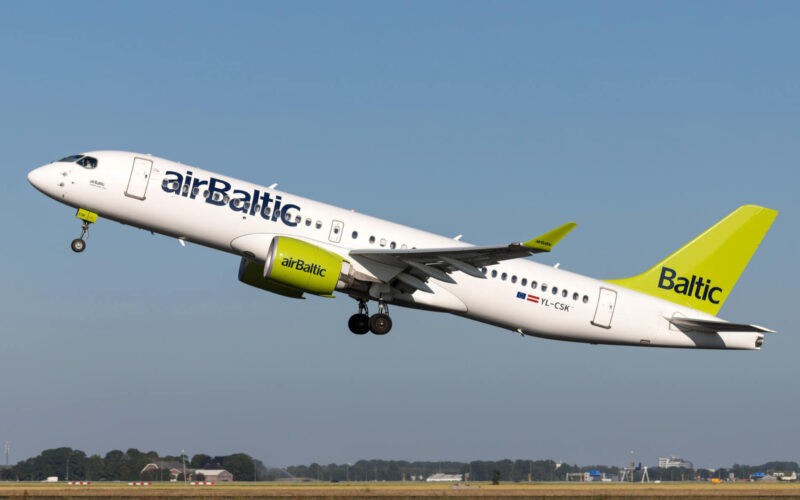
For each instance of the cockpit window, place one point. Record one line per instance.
(88, 162)
(82, 160)
(71, 158)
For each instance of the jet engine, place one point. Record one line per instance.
(293, 267)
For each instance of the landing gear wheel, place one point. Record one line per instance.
(380, 324)
(78, 245)
(359, 324)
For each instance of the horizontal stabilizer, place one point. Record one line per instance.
(703, 325)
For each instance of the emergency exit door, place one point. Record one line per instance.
(605, 308)
(336, 231)
(140, 178)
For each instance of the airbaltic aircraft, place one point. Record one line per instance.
(291, 245)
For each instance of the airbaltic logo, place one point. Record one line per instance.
(302, 265)
(694, 287)
(218, 192)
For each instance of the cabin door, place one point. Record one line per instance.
(605, 308)
(140, 178)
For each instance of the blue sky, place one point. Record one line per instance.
(644, 122)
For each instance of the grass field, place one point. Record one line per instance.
(387, 491)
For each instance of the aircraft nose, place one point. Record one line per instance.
(37, 177)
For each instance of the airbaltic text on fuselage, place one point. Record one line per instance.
(301, 265)
(219, 192)
(694, 287)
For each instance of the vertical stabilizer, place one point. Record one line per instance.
(702, 273)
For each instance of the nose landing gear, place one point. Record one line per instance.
(79, 244)
(379, 324)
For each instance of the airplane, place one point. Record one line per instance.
(294, 246)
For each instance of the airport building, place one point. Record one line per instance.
(673, 461)
(444, 478)
(215, 475)
(172, 470)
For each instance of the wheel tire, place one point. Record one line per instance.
(380, 324)
(359, 324)
(78, 245)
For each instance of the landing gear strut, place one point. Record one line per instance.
(379, 324)
(79, 244)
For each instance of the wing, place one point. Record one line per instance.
(410, 269)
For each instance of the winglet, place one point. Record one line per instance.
(548, 240)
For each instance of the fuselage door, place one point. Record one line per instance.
(605, 308)
(336, 231)
(140, 178)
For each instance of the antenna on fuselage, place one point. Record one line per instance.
(273, 186)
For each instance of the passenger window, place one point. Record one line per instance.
(372, 239)
(544, 287)
(564, 293)
(392, 245)
(205, 194)
(185, 188)
(555, 290)
(255, 208)
(267, 210)
(297, 219)
(226, 198)
(504, 276)
(195, 190)
(336, 229)
(403, 246)
(533, 285)
(484, 270)
(524, 281)
(575, 296)
(383, 242)
(585, 299)
(494, 273)
(318, 224)
(355, 234)
(514, 279)
(308, 222)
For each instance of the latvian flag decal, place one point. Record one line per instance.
(528, 297)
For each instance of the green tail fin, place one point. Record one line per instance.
(702, 273)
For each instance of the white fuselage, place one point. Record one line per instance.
(561, 305)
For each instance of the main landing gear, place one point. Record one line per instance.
(379, 324)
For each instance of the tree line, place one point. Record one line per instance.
(117, 465)
(511, 470)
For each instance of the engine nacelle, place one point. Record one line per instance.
(305, 267)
